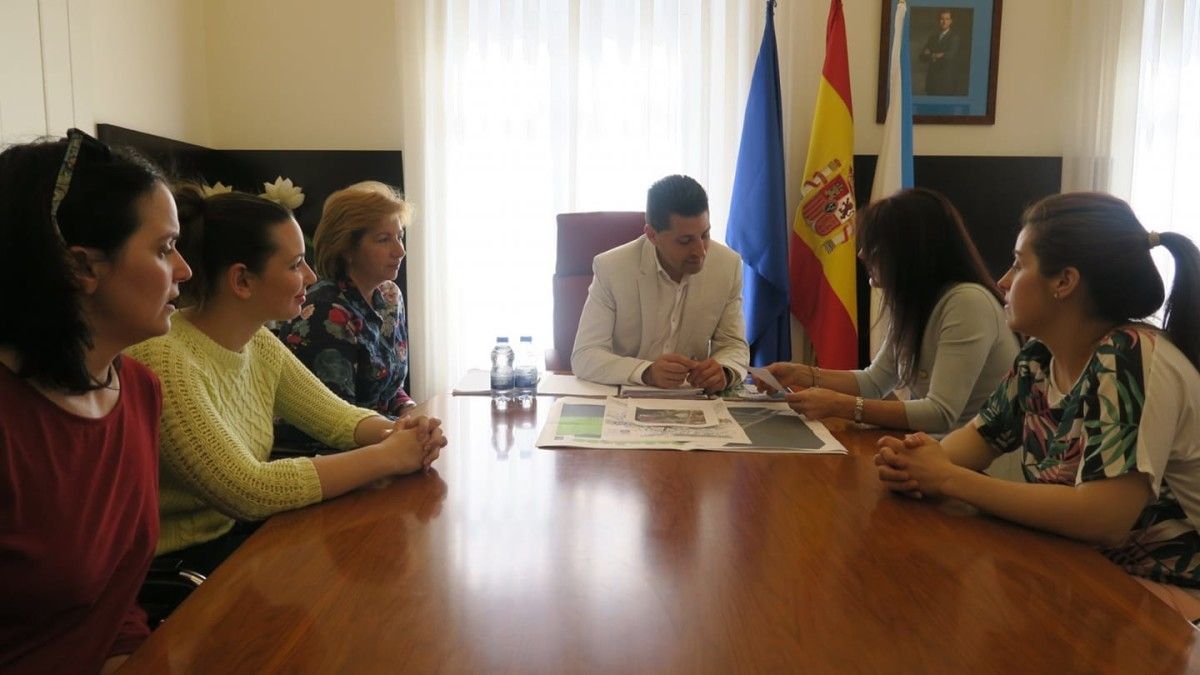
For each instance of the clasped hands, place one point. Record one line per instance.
(916, 466)
(428, 434)
(672, 370)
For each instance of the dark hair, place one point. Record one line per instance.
(680, 195)
(918, 246)
(1100, 236)
(45, 321)
(222, 230)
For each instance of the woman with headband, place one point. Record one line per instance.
(87, 253)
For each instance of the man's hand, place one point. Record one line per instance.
(668, 371)
(708, 375)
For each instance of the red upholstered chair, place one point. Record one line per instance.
(580, 237)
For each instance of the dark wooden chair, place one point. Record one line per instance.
(167, 585)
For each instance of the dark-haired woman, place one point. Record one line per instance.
(1105, 410)
(947, 342)
(88, 261)
(225, 377)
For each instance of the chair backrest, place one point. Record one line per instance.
(580, 237)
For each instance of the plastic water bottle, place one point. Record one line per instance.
(525, 372)
(502, 373)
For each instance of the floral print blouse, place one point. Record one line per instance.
(1132, 410)
(359, 350)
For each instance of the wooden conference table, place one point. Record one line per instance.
(513, 559)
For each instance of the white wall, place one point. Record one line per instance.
(148, 67)
(1030, 91)
(134, 63)
(22, 103)
(304, 74)
(321, 74)
(39, 77)
(315, 74)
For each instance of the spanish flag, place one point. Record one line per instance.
(822, 249)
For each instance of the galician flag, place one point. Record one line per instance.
(894, 171)
(823, 251)
(758, 227)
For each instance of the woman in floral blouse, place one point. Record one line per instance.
(351, 332)
(1104, 409)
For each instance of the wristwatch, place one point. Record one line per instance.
(858, 409)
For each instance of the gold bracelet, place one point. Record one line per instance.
(812, 372)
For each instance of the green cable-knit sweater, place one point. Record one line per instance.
(216, 436)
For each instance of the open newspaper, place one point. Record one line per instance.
(616, 423)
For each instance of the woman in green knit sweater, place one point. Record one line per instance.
(225, 378)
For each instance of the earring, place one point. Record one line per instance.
(1055, 295)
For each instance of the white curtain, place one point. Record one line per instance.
(1166, 144)
(521, 110)
(1102, 73)
(1135, 68)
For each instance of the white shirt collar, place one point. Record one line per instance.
(663, 274)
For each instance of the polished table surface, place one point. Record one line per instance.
(513, 559)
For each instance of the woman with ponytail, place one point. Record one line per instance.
(88, 261)
(1104, 408)
(225, 378)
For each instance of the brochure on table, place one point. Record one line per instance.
(628, 421)
(668, 415)
(749, 426)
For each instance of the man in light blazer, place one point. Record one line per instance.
(666, 308)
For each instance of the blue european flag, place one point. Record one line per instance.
(758, 226)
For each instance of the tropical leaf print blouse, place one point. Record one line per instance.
(359, 350)
(1134, 408)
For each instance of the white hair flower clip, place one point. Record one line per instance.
(284, 192)
(217, 189)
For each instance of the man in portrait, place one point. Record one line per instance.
(941, 54)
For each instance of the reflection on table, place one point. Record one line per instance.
(509, 558)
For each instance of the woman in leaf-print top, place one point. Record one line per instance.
(1105, 410)
(351, 332)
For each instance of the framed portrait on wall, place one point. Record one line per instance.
(954, 48)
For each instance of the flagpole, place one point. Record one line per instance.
(757, 225)
(822, 254)
(894, 168)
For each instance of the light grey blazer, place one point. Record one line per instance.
(619, 316)
(966, 350)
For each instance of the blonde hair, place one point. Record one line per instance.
(347, 214)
